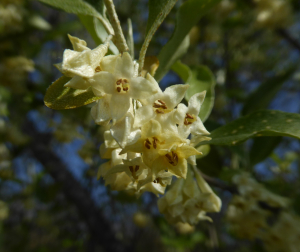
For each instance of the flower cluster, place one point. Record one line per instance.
(150, 135)
(254, 207)
(189, 200)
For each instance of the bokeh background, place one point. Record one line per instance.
(50, 198)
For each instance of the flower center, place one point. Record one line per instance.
(122, 85)
(133, 170)
(189, 119)
(172, 158)
(154, 143)
(160, 107)
(97, 69)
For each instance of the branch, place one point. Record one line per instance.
(287, 36)
(99, 227)
(119, 38)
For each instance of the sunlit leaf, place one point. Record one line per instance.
(256, 124)
(199, 78)
(60, 97)
(264, 94)
(188, 15)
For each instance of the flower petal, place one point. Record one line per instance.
(101, 111)
(195, 103)
(140, 88)
(120, 104)
(104, 82)
(124, 66)
(143, 115)
(78, 82)
(108, 63)
(174, 95)
(197, 128)
(79, 45)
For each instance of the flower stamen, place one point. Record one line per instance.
(172, 158)
(189, 119)
(122, 85)
(133, 171)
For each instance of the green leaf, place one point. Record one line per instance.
(199, 78)
(256, 124)
(264, 94)
(60, 97)
(78, 7)
(262, 148)
(158, 10)
(97, 31)
(129, 38)
(187, 16)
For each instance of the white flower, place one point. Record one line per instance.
(187, 117)
(186, 202)
(122, 85)
(82, 63)
(160, 105)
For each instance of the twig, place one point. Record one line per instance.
(288, 37)
(119, 38)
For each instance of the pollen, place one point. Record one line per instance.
(122, 85)
(133, 170)
(172, 158)
(189, 119)
(160, 107)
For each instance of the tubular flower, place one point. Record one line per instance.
(122, 85)
(160, 106)
(81, 63)
(187, 117)
(187, 201)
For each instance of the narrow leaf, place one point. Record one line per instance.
(60, 97)
(199, 78)
(188, 15)
(256, 124)
(79, 7)
(129, 38)
(264, 94)
(97, 32)
(158, 10)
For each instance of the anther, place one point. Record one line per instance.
(119, 89)
(97, 69)
(125, 89)
(159, 111)
(161, 102)
(189, 116)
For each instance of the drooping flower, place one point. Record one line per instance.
(188, 201)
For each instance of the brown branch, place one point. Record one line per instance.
(99, 227)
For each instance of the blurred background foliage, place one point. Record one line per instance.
(247, 52)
